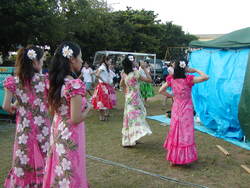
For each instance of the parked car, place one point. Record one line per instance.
(157, 67)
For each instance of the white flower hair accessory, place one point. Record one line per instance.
(67, 52)
(31, 54)
(131, 58)
(182, 64)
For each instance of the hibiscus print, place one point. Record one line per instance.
(134, 114)
(40, 87)
(63, 109)
(37, 101)
(22, 139)
(24, 98)
(45, 131)
(40, 137)
(66, 134)
(22, 111)
(45, 147)
(59, 170)
(24, 159)
(132, 82)
(66, 164)
(64, 183)
(18, 171)
(60, 149)
(38, 120)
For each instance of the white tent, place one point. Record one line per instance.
(107, 53)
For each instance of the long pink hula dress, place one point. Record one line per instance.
(66, 163)
(32, 132)
(180, 142)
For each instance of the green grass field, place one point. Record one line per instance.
(213, 169)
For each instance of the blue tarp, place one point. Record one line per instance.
(216, 101)
(201, 128)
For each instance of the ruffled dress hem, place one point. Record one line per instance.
(181, 155)
(132, 134)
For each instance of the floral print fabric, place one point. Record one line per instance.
(101, 99)
(32, 132)
(135, 125)
(180, 142)
(65, 166)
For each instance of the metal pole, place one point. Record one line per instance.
(154, 66)
(94, 58)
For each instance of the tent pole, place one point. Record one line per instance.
(94, 58)
(154, 67)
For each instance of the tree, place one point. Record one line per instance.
(90, 23)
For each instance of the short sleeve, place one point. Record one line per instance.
(82, 70)
(102, 68)
(10, 84)
(190, 80)
(169, 80)
(73, 88)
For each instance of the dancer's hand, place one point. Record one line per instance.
(13, 109)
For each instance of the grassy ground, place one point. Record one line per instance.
(212, 169)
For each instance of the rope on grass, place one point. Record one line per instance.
(165, 178)
(7, 127)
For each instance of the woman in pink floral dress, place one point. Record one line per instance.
(135, 125)
(66, 162)
(33, 124)
(180, 142)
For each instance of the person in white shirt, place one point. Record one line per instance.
(87, 73)
(112, 75)
(101, 99)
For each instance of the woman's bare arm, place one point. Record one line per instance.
(163, 91)
(76, 114)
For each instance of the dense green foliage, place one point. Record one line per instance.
(91, 23)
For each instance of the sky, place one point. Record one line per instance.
(195, 16)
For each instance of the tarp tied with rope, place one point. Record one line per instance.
(223, 102)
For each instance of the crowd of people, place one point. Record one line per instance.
(49, 146)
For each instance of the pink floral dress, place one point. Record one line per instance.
(66, 166)
(135, 125)
(180, 142)
(32, 132)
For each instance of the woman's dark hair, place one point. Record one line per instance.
(24, 64)
(104, 60)
(59, 69)
(127, 64)
(178, 71)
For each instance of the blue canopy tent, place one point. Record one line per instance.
(222, 102)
